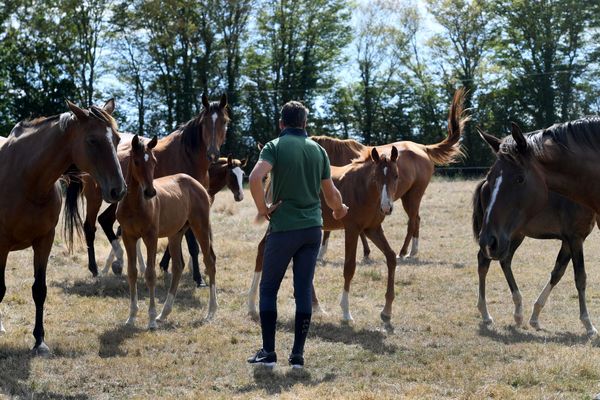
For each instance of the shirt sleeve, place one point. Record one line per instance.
(268, 154)
(326, 167)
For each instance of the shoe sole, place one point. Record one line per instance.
(297, 366)
(265, 364)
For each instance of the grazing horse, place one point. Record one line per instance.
(189, 149)
(367, 186)
(562, 158)
(559, 218)
(163, 207)
(32, 160)
(415, 165)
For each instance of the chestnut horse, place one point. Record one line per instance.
(415, 165)
(562, 158)
(189, 149)
(32, 160)
(367, 186)
(225, 172)
(559, 218)
(163, 207)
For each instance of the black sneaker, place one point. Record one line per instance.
(296, 361)
(268, 359)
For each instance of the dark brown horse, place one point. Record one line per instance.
(559, 218)
(163, 207)
(36, 154)
(190, 149)
(367, 186)
(415, 165)
(561, 158)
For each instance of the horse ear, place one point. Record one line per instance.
(205, 102)
(230, 160)
(244, 162)
(79, 113)
(260, 145)
(109, 106)
(135, 142)
(153, 142)
(223, 102)
(394, 154)
(517, 134)
(492, 141)
(375, 155)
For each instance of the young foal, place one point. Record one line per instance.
(540, 213)
(36, 154)
(163, 207)
(367, 186)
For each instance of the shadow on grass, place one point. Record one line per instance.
(511, 334)
(111, 340)
(276, 382)
(15, 371)
(371, 340)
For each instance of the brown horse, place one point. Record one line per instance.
(163, 207)
(415, 165)
(560, 218)
(190, 149)
(32, 160)
(367, 186)
(561, 158)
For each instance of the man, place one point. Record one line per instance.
(299, 170)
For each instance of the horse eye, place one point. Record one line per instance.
(520, 179)
(92, 141)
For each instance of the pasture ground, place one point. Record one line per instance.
(439, 348)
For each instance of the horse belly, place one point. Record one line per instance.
(173, 217)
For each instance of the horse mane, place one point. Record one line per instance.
(584, 132)
(191, 130)
(337, 145)
(477, 217)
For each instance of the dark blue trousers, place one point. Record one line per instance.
(301, 246)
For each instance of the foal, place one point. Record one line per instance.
(367, 186)
(164, 207)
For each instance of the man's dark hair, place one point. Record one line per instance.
(294, 114)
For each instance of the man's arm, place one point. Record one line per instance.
(333, 198)
(261, 169)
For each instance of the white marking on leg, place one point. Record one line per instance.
(518, 300)
(133, 310)
(239, 174)
(253, 294)
(539, 305)
(167, 308)
(323, 250)
(212, 301)
(117, 249)
(482, 307)
(108, 263)
(415, 247)
(494, 197)
(2, 330)
(152, 318)
(345, 304)
(140, 256)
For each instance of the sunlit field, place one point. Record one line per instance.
(439, 348)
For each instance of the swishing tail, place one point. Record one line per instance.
(449, 150)
(72, 218)
(477, 211)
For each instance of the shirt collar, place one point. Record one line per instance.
(293, 131)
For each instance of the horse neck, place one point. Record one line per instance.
(174, 157)
(43, 155)
(218, 179)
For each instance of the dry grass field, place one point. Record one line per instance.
(439, 348)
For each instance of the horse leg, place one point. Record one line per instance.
(316, 306)
(3, 257)
(175, 250)
(351, 241)
(203, 232)
(107, 220)
(164, 262)
(151, 242)
(483, 265)
(132, 273)
(93, 204)
(512, 284)
(366, 248)
(560, 266)
(194, 251)
(140, 257)
(324, 244)
(411, 202)
(41, 252)
(378, 238)
(580, 282)
(253, 293)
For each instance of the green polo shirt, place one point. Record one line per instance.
(299, 165)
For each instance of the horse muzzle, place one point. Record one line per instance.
(213, 155)
(239, 196)
(114, 194)
(387, 210)
(149, 192)
(493, 246)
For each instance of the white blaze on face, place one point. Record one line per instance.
(146, 157)
(239, 174)
(386, 203)
(494, 197)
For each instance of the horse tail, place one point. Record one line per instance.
(449, 150)
(72, 221)
(477, 211)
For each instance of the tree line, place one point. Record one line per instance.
(377, 71)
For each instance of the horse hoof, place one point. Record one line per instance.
(117, 267)
(519, 319)
(535, 324)
(488, 321)
(347, 319)
(130, 322)
(152, 325)
(254, 316)
(385, 318)
(201, 284)
(592, 332)
(318, 311)
(41, 350)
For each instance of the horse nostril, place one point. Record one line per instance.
(116, 194)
